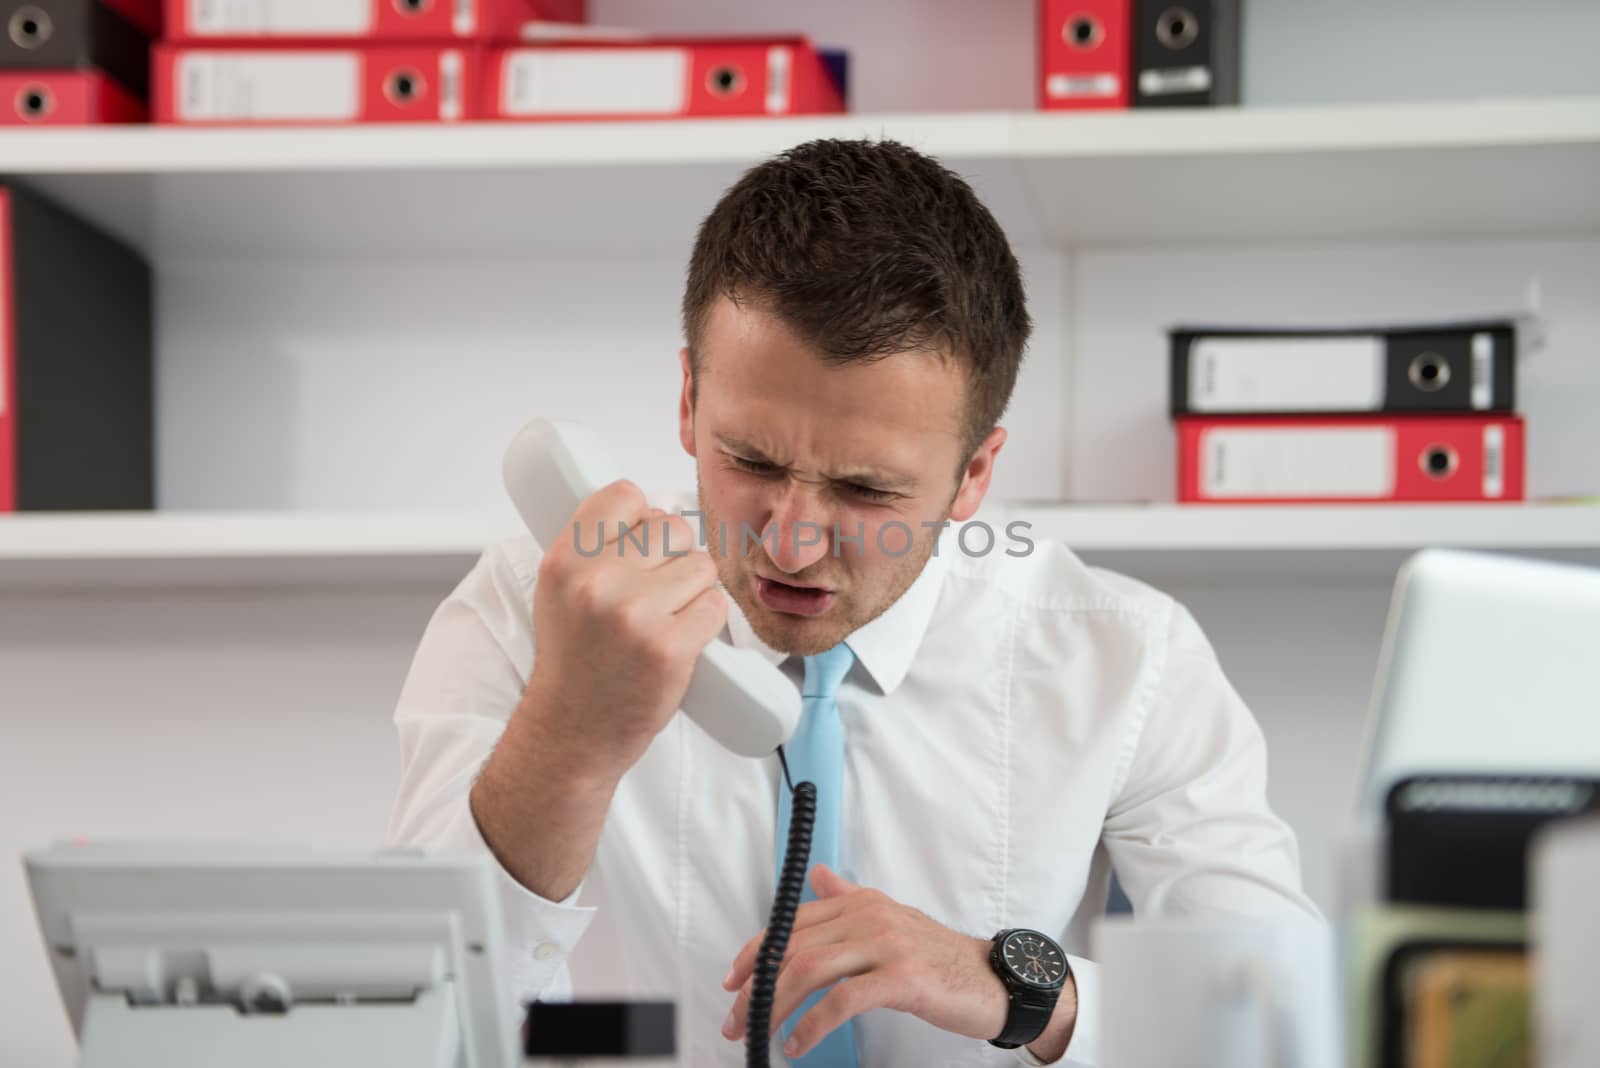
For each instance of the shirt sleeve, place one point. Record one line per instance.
(1083, 1050)
(1191, 817)
(1190, 812)
(466, 677)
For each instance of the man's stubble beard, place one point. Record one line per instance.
(847, 615)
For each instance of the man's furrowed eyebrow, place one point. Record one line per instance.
(740, 446)
(866, 476)
(881, 480)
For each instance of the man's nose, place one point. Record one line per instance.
(799, 531)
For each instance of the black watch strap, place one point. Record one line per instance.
(1030, 1015)
(1031, 1008)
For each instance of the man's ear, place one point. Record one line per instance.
(975, 479)
(686, 403)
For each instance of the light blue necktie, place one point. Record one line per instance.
(816, 755)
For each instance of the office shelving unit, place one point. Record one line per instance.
(1454, 170)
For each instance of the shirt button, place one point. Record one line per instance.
(546, 950)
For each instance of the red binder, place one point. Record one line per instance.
(1085, 54)
(1357, 459)
(65, 98)
(311, 84)
(8, 362)
(352, 21)
(659, 79)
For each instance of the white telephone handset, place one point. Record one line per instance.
(737, 697)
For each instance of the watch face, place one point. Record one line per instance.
(1034, 959)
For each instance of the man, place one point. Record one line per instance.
(1005, 724)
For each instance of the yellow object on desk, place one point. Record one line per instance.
(1468, 1009)
(1402, 959)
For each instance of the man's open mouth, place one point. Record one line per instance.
(793, 599)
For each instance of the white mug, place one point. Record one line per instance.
(1219, 991)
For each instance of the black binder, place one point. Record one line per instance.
(1466, 367)
(80, 410)
(74, 35)
(1185, 53)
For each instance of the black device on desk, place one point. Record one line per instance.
(1462, 840)
(612, 1029)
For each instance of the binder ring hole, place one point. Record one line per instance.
(725, 81)
(35, 102)
(1083, 31)
(30, 27)
(1177, 28)
(403, 87)
(1440, 461)
(1429, 372)
(412, 7)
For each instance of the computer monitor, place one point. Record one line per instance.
(192, 953)
(1490, 665)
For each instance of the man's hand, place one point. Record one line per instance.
(618, 629)
(894, 957)
(618, 626)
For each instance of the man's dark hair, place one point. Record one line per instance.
(865, 249)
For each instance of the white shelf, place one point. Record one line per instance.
(187, 549)
(1230, 528)
(116, 550)
(1230, 543)
(1456, 169)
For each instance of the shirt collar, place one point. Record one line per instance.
(886, 645)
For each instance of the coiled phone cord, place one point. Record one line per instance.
(791, 882)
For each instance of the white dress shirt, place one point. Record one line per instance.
(1015, 726)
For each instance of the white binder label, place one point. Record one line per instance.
(1079, 86)
(1494, 461)
(595, 81)
(465, 20)
(1174, 80)
(1276, 462)
(1286, 374)
(281, 17)
(450, 63)
(780, 61)
(1482, 371)
(269, 85)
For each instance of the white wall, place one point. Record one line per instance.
(263, 362)
(385, 383)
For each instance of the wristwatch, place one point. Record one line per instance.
(1034, 970)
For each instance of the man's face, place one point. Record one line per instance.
(787, 445)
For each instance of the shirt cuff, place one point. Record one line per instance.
(1083, 1050)
(540, 933)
